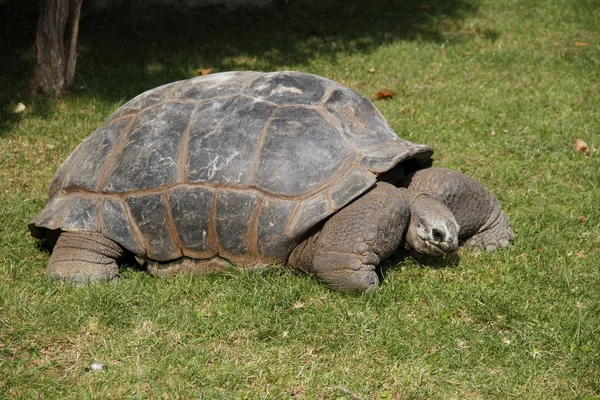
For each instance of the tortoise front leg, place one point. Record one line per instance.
(345, 254)
(482, 222)
(85, 257)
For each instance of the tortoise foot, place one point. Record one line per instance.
(497, 235)
(84, 257)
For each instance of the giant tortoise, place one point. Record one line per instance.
(254, 169)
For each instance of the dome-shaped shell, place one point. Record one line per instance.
(238, 164)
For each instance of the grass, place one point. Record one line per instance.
(499, 88)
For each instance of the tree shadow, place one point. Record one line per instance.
(124, 51)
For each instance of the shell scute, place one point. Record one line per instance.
(115, 226)
(191, 209)
(301, 152)
(85, 171)
(383, 158)
(150, 215)
(223, 140)
(350, 186)
(50, 217)
(274, 217)
(362, 122)
(150, 154)
(233, 222)
(82, 215)
(310, 212)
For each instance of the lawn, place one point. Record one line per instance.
(500, 88)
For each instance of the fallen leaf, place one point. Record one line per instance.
(506, 341)
(467, 53)
(202, 72)
(384, 94)
(581, 255)
(581, 146)
(19, 108)
(581, 219)
(581, 44)
(371, 70)
(424, 8)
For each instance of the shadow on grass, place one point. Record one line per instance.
(449, 260)
(125, 51)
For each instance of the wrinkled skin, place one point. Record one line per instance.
(433, 229)
(346, 252)
(483, 224)
(437, 209)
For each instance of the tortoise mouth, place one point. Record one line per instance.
(435, 248)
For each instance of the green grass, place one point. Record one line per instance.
(501, 91)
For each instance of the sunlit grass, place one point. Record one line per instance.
(499, 88)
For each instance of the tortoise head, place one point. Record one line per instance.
(432, 230)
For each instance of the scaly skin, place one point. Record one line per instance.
(482, 222)
(432, 230)
(346, 252)
(85, 257)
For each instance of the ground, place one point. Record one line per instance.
(500, 89)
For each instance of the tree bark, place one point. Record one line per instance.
(55, 66)
(72, 58)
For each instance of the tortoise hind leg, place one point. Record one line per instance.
(85, 257)
(347, 251)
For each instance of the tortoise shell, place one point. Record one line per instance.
(239, 165)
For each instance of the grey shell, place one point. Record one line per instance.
(238, 165)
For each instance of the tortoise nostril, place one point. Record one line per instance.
(438, 234)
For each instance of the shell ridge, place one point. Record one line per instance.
(252, 233)
(183, 148)
(113, 153)
(63, 214)
(135, 230)
(293, 220)
(213, 237)
(171, 228)
(259, 148)
(101, 214)
(58, 186)
(337, 125)
(327, 95)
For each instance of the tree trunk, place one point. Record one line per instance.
(72, 58)
(55, 66)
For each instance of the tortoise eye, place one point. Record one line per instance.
(438, 234)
